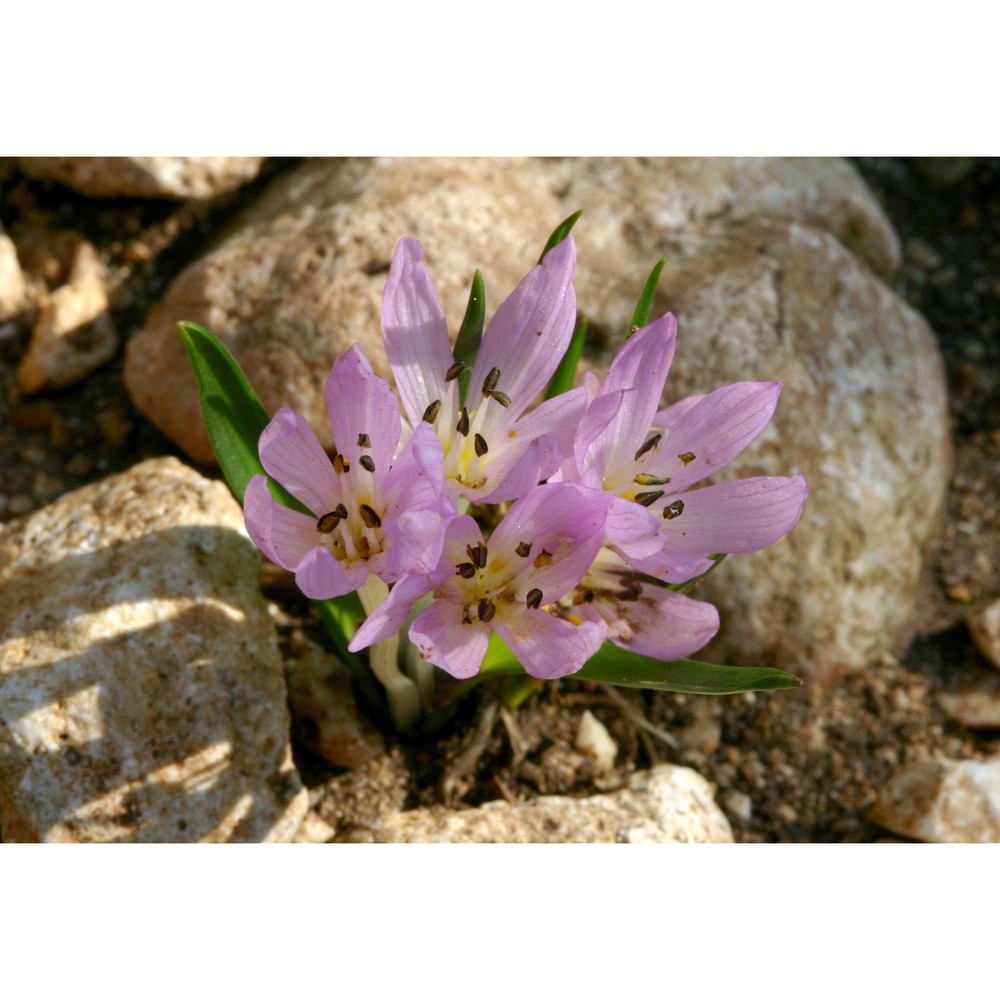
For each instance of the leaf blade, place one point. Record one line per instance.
(562, 377)
(561, 232)
(640, 316)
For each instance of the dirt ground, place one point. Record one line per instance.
(789, 766)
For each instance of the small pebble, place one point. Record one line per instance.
(959, 593)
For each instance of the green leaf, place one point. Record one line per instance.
(234, 416)
(612, 665)
(470, 333)
(642, 308)
(689, 585)
(560, 233)
(562, 377)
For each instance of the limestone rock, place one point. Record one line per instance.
(863, 416)
(943, 802)
(12, 284)
(665, 805)
(73, 334)
(141, 691)
(300, 279)
(985, 628)
(145, 176)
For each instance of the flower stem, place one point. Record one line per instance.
(402, 693)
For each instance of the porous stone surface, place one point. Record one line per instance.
(863, 416)
(665, 805)
(141, 689)
(12, 284)
(145, 176)
(73, 334)
(985, 628)
(943, 802)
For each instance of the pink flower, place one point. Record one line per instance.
(536, 555)
(371, 511)
(493, 449)
(649, 461)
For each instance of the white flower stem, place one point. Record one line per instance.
(402, 693)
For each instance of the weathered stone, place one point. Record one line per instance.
(665, 805)
(314, 830)
(863, 416)
(145, 176)
(593, 739)
(73, 334)
(985, 628)
(319, 689)
(301, 278)
(943, 802)
(141, 689)
(977, 704)
(12, 284)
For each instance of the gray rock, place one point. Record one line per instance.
(12, 284)
(145, 176)
(141, 689)
(943, 802)
(665, 805)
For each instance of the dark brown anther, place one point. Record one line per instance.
(501, 397)
(648, 445)
(534, 598)
(673, 510)
(328, 522)
(486, 610)
(466, 617)
(645, 479)
(477, 555)
(480, 445)
(368, 515)
(588, 596)
(463, 422)
(544, 558)
(454, 371)
(432, 411)
(523, 549)
(466, 570)
(649, 498)
(340, 510)
(367, 463)
(364, 548)
(364, 441)
(340, 464)
(687, 457)
(490, 382)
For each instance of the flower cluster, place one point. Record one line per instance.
(590, 491)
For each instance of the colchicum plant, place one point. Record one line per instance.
(499, 520)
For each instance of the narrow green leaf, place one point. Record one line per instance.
(689, 585)
(470, 333)
(560, 233)
(642, 308)
(234, 416)
(562, 377)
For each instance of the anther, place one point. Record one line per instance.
(687, 457)
(340, 510)
(649, 498)
(466, 570)
(673, 510)
(340, 464)
(477, 555)
(544, 558)
(432, 411)
(454, 371)
(534, 598)
(649, 445)
(367, 462)
(486, 610)
(463, 422)
(368, 515)
(364, 441)
(328, 522)
(501, 397)
(481, 446)
(523, 549)
(490, 382)
(645, 479)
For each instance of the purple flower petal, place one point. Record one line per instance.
(388, 618)
(414, 330)
(362, 407)
(549, 647)
(669, 415)
(416, 537)
(445, 640)
(634, 530)
(739, 516)
(292, 455)
(530, 331)
(714, 431)
(321, 576)
(283, 535)
(556, 418)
